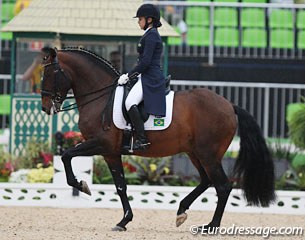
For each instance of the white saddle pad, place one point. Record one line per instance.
(153, 123)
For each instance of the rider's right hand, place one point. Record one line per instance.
(123, 79)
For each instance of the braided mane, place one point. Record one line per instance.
(87, 53)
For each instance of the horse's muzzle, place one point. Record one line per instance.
(47, 111)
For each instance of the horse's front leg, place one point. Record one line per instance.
(89, 148)
(117, 171)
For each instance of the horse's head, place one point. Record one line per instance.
(55, 84)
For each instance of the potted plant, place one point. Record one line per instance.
(36, 152)
(297, 127)
(36, 165)
(66, 140)
(6, 165)
(282, 154)
(151, 171)
(102, 175)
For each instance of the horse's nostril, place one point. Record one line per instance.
(43, 109)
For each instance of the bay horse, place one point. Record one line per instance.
(203, 126)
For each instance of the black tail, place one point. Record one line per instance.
(254, 163)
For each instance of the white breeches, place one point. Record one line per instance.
(135, 95)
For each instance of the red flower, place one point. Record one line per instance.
(71, 139)
(70, 134)
(47, 158)
(129, 167)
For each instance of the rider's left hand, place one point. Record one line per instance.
(123, 79)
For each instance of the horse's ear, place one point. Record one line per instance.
(53, 52)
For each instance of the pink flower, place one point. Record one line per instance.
(7, 169)
(9, 166)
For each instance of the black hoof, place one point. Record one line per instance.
(119, 229)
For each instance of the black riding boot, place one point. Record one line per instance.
(141, 141)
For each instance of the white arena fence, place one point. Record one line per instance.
(144, 197)
(59, 194)
(5, 80)
(267, 102)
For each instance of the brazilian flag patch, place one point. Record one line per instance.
(159, 122)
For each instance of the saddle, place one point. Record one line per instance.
(127, 141)
(128, 86)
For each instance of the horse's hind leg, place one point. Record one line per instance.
(117, 171)
(192, 196)
(222, 185)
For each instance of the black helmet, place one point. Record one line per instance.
(149, 10)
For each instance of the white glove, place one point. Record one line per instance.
(123, 79)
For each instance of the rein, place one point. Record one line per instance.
(74, 105)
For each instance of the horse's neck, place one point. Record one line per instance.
(87, 78)
(90, 81)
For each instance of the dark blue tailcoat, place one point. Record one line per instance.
(149, 65)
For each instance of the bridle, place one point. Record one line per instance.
(57, 99)
(57, 70)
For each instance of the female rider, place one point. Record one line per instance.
(150, 86)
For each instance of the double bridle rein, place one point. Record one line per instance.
(56, 97)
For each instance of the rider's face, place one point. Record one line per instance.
(141, 22)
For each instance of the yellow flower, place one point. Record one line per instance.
(166, 170)
(39, 165)
(42, 175)
(153, 167)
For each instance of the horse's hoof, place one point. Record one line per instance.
(181, 219)
(85, 187)
(119, 229)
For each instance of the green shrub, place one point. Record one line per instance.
(297, 127)
(298, 163)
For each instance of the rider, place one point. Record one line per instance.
(150, 86)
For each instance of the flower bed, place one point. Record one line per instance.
(36, 166)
